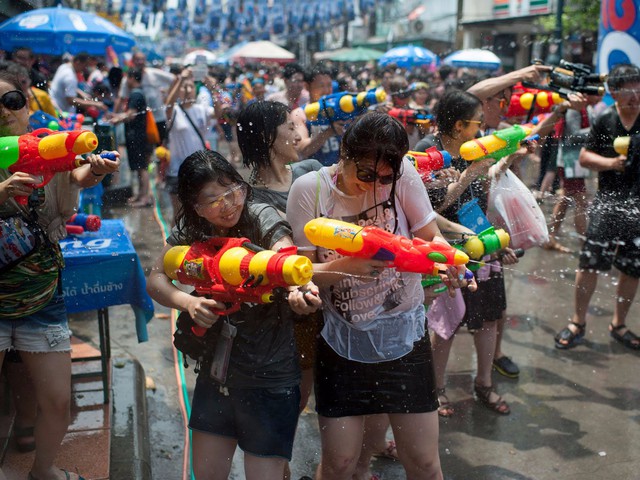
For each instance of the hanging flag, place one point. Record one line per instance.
(111, 57)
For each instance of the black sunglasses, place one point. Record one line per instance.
(13, 100)
(368, 176)
(402, 94)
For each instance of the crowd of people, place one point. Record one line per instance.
(357, 335)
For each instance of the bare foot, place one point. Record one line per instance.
(553, 244)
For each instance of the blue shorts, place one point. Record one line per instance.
(45, 331)
(262, 420)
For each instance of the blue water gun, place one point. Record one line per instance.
(342, 106)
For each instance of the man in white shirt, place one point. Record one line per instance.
(294, 95)
(155, 85)
(64, 86)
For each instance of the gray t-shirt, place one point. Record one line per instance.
(279, 199)
(263, 353)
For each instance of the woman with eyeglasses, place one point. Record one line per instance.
(33, 317)
(373, 356)
(459, 116)
(256, 407)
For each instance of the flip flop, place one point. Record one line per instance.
(66, 475)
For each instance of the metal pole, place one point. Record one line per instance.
(558, 29)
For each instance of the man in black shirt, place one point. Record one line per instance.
(614, 218)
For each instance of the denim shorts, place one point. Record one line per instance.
(45, 331)
(262, 420)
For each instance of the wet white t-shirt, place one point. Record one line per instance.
(367, 320)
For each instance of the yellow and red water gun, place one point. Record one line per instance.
(405, 255)
(524, 99)
(499, 144)
(45, 152)
(234, 271)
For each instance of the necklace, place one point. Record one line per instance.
(256, 178)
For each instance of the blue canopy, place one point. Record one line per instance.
(408, 56)
(473, 58)
(59, 30)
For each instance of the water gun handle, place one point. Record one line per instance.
(518, 252)
(108, 155)
(431, 280)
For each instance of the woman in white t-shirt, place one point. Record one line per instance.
(373, 355)
(187, 128)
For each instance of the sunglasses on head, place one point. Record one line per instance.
(370, 176)
(13, 100)
(402, 94)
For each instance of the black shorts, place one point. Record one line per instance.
(346, 388)
(612, 237)
(138, 154)
(162, 130)
(262, 420)
(487, 303)
(171, 184)
(228, 132)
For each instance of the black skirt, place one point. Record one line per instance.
(345, 388)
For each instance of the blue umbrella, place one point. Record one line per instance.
(59, 30)
(407, 56)
(473, 58)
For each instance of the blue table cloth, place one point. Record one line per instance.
(103, 269)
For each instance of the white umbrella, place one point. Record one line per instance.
(473, 58)
(262, 51)
(190, 58)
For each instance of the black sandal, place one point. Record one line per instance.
(24, 440)
(570, 338)
(484, 394)
(445, 409)
(628, 338)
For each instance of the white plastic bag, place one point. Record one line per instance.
(512, 206)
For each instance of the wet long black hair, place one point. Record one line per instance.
(379, 137)
(198, 169)
(453, 106)
(257, 131)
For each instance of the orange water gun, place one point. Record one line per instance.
(405, 255)
(45, 152)
(234, 271)
(429, 161)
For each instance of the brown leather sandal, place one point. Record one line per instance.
(483, 395)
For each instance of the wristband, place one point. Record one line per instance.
(97, 174)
